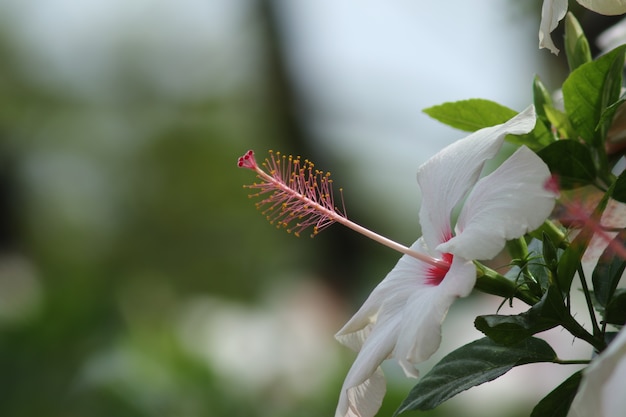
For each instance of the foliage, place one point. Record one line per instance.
(571, 141)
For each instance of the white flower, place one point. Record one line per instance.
(402, 317)
(601, 392)
(606, 7)
(608, 40)
(553, 11)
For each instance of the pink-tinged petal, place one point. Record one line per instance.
(613, 217)
(389, 296)
(506, 204)
(364, 387)
(420, 334)
(447, 177)
(606, 7)
(602, 387)
(552, 12)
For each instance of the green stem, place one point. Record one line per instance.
(491, 282)
(554, 310)
(556, 235)
(583, 282)
(571, 325)
(518, 250)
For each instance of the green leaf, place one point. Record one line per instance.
(473, 364)
(611, 94)
(551, 308)
(550, 253)
(471, 115)
(558, 402)
(542, 134)
(570, 260)
(576, 44)
(541, 274)
(609, 269)
(589, 90)
(537, 139)
(541, 98)
(549, 312)
(619, 190)
(560, 122)
(615, 312)
(509, 330)
(571, 161)
(474, 114)
(609, 112)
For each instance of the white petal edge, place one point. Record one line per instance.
(605, 373)
(552, 12)
(606, 7)
(363, 400)
(447, 177)
(364, 387)
(506, 204)
(612, 38)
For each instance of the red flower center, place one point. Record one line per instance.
(435, 275)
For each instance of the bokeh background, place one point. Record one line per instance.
(136, 277)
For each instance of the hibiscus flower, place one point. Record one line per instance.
(402, 317)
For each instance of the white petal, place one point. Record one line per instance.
(420, 334)
(613, 399)
(390, 296)
(387, 319)
(506, 204)
(446, 177)
(552, 12)
(363, 400)
(607, 7)
(611, 38)
(364, 386)
(605, 376)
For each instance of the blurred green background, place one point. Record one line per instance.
(136, 277)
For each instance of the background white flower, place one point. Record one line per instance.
(601, 393)
(553, 11)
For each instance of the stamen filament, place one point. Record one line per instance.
(297, 194)
(394, 245)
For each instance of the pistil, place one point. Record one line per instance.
(297, 197)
